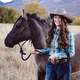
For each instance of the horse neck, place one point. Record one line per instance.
(38, 38)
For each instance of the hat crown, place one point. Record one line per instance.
(63, 13)
(60, 12)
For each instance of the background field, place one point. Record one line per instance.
(11, 65)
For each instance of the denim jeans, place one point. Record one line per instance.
(58, 71)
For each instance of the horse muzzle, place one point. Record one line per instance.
(9, 43)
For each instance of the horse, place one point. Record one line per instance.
(32, 27)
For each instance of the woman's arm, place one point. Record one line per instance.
(43, 51)
(71, 48)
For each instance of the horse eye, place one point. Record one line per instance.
(17, 26)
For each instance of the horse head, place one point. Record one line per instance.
(28, 27)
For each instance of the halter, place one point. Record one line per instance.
(23, 53)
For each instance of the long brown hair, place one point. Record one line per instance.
(63, 37)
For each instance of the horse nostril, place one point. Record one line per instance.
(8, 42)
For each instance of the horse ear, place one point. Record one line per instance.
(24, 14)
(23, 11)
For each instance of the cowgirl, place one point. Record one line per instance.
(61, 47)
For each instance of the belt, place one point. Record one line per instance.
(62, 60)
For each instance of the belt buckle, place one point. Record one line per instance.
(63, 60)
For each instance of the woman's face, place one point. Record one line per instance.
(57, 20)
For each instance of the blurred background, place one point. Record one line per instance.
(11, 65)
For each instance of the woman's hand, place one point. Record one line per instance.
(35, 51)
(53, 59)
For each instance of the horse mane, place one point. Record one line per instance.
(36, 17)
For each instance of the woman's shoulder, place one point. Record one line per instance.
(71, 34)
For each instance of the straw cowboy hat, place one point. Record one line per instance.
(62, 13)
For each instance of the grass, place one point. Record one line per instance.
(11, 65)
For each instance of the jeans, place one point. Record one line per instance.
(58, 71)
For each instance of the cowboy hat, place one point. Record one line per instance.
(62, 13)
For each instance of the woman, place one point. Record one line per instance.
(60, 48)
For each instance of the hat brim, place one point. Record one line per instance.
(69, 19)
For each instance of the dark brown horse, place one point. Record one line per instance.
(31, 27)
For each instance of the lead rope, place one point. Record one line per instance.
(23, 53)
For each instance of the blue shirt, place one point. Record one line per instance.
(59, 53)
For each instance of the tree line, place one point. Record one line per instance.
(10, 15)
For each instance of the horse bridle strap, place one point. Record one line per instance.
(23, 53)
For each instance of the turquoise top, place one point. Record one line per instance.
(59, 53)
